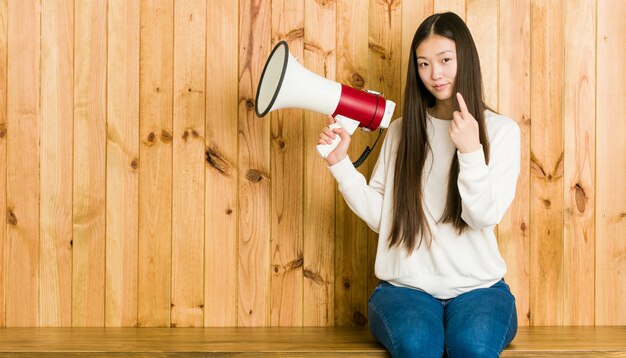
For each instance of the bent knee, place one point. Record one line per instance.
(416, 348)
(471, 350)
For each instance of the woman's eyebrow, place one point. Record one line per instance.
(438, 54)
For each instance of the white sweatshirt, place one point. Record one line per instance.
(453, 263)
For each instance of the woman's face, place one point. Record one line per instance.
(436, 65)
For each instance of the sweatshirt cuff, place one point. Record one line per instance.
(475, 158)
(343, 171)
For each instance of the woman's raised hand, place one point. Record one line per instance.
(464, 129)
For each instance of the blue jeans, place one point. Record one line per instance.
(412, 323)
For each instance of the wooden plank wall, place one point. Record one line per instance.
(140, 189)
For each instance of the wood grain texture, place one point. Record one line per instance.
(221, 207)
(156, 71)
(254, 165)
(351, 234)
(122, 163)
(546, 163)
(286, 303)
(482, 20)
(610, 166)
(386, 74)
(188, 164)
(514, 102)
(57, 107)
(90, 105)
(319, 187)
(413, 13)
(456, 6)
(579, 131)
(286, 342)
(261, 236)
(23, 160)
(3, 152)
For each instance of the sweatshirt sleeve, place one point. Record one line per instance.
(488, 190)
(365, 199)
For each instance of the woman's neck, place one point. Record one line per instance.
(442, 109)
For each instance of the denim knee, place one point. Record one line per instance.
(414, 348)
(469, 349)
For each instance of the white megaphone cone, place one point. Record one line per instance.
(285, 83)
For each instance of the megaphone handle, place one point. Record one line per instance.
(348, 124)
(326, 149)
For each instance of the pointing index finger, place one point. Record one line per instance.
(462, 104)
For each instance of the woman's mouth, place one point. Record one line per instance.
(440, 87)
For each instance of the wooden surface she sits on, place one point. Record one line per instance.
(283, 342)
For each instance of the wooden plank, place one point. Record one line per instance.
(254, 165)
(3, 151)
(280, 341)
(386, 75)
(90, 74)
(190, 342)
(156, 68)
(482, 20)
(23, 192)
(579, 107)
(188, 164)
(122, 163)
(514, 102)
(351, 233)
(413, 13)
(57, 107)
(546, 166)
(220, 265)
(287, 176)
(456, 6)
(319, 194)
(611, 165)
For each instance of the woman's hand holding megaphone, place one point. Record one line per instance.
(328, 135)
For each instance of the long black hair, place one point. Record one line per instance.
(409, 221)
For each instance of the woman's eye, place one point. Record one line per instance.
(447, 59)
(422, 64)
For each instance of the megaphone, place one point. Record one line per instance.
(285, 83)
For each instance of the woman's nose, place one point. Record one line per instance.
(436, 72)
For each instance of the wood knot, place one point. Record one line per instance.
(11, 219)
(357, 80)
(313, 276)
(279, 143)
(150, 139)
(359, 318)
(523, 226)
(166, 137)
(276, 269)
(254, 175)
(547, 203)
(3, 132)
(581, 198)
(157, 89)
(250, 104)
(190, 132)
(134, 164)
(216, 160)
(346, 284)
(229, 211)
